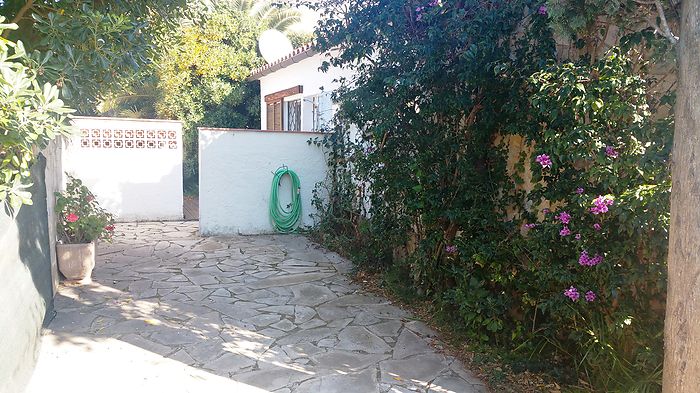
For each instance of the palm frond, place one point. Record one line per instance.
(268, 14)
(281, 19)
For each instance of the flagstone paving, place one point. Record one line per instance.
(171, 311)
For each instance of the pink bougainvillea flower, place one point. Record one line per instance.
(590, 296)
(545, 211)
(72, 217)
(577, 236)
(544, 160)
(451, 249)
(586, 260)
(579, 190)
(542, 10)
(419, 13)
(565, 231)
(572, 293)
(611, 152)
(529, 226)
(596, 226)
(600, 204)
(564, 217)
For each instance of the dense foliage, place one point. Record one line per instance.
(80, 217)
(524, 192)
(30, 117)
(92, 49)
(202, 78)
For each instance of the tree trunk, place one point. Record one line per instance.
(682, 327)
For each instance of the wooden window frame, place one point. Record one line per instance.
(275, 106)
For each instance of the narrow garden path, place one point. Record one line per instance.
(171, 311)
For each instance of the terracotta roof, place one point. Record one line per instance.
(295, 56)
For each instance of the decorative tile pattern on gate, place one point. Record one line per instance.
(128, 139)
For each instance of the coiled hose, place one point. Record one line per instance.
(284, 219)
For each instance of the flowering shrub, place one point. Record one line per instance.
(566, 265)
(80, 217)
(610, 182)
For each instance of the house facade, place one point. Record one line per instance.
(295, 95)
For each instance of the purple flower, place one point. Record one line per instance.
(451, 249)
(565, 231)
(572, 293)
(542, 10)
(583, 258)
(586, 260)
(596, 226)
(611, 152)
(600, 204)
(579, 190)
(544, 160)
(529, 226)
(577, 236)
(434, 3)
(545, 210)
(590, 296)
(419, 13)
(564, 217)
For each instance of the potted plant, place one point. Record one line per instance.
(81, 223)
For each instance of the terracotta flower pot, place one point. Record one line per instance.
(76, 261)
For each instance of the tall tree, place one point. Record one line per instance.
(682, 328)
(92, 47)
(201, 78)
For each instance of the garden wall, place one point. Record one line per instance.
(26, 279)
(133, 166)
(236, 168)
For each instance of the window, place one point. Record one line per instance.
(275, 106)
(317, 111)
(293, 109)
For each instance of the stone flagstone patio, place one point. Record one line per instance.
(169, 311)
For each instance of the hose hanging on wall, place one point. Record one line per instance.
(284, 219)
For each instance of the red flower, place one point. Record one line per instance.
(109, 228)
(71, 217)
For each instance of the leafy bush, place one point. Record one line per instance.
(30, 117)
(94, 49)
(606, 234)
(80, 217)
(468, 128)
(201, 79)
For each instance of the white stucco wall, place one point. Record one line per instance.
(307, 74)
(136, 176)
(236, 168)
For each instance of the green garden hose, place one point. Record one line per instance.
(284, 219)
